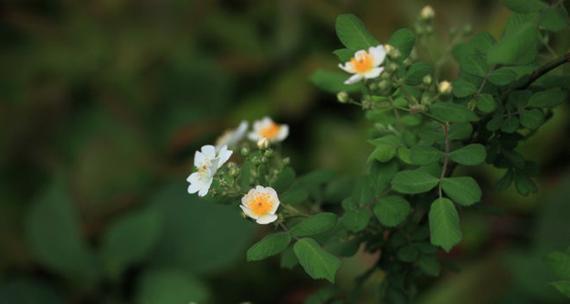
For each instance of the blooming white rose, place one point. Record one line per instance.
(269, 130)
(232, 137)
(365, 64)
(260, 204)
(208, 161)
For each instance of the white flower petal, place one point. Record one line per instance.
(347, 67)
(375, 72)
(360, 54)
(267, 219)
(209, 151)
(283, 132)
(353, 79)
(248, 212)
(223, 155)
(378, 54)
(205, 188)
(199, 159)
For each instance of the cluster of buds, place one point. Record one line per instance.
(424, 24)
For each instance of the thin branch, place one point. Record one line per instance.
(445, 158)
(540, 72)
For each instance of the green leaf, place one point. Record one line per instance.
(444, 224)
(288, 259)
(502, 76)
(333, 82)
(54, 234)
(463, 88)
(470, 155)
(462, 190)
(563, 287)
(284, 180)
(130, 240)
(392, 210)
(511, 124)
(486, 103)
(269, 246)
(519, 44)
(451, 112)
(315, 224)
(403, 40)
(559, 261)
(472, 56)
(459, 131)
(416, 73)
(547, 99)
(21, 290)
(525, 6)
(524, 184)
(295, 195)
(317, 263)
(413, 181)
(170, 286)
(429, 265)
(355, 220)
(386, 148)
(424, 155)
(554, 19)
(352, 33)
(532, 119)
(344, 55)
(408, 254)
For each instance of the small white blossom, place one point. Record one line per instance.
(208, 160)
(269, 130)
(232, 137)
(365, 64)
(260, 204)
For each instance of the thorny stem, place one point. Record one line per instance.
(445, 158)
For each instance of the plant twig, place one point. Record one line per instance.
(445, 158)
(540, 72)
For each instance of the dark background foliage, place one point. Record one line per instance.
(103, 103)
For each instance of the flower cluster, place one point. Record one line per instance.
(260, 203)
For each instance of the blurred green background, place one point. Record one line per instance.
(103, 103)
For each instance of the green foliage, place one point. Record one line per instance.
(403, 40)
(470, 155)
(444, 224)
(170, 286)
(414, 181)
(560, 263)
(392, 210)
(315, 224)
(54, 234)
(318, 263)
(353, 34)
(451, 112)
(130, 240)
(462, 190)
(269, 246)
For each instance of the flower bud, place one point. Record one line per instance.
(342, 97)
(445, 87)
(427, 79)
(392, 67)
(392, 52)
(467, 29)
(263, 143)
(244, 151)
(427, 13)
(384, 85)
(268, 153)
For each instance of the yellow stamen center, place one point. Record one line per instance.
(270, 131)
(260, 204)
(363, 63)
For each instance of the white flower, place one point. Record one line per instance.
(365, 64)
(208, 161)
(260, 204)
(232, 137)
(269, 130)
